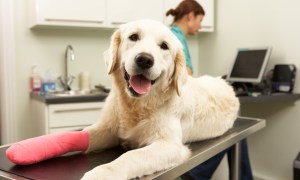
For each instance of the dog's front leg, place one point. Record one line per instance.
(161, 154)
(103, 134)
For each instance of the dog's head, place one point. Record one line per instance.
(147, 54)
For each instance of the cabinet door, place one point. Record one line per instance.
(119, 12)
(208, 21)
(208, 6)
(83, 13)
(73, 114)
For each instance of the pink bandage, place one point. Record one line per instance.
(40, 148)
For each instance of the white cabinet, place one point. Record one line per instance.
(54, 118)
(129, 10)
(80, 13)
(106, 13)
(208, 6)
(92, 13)
(208, 21)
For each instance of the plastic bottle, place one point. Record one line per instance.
(35, 80)
(84, 81)
(49, 84)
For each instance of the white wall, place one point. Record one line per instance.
(260, 23)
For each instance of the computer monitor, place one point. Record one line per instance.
(249, 65)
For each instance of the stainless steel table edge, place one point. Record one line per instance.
(175, 172)
(6, 176)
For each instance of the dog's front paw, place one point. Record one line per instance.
(103, 172)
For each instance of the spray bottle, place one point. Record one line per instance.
(35, 80)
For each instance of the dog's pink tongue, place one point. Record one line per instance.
(140, 84)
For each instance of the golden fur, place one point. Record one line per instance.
(175, 110)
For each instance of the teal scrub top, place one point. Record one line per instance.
(179, 34)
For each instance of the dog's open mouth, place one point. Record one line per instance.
(138, 84)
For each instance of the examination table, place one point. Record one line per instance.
(73, 165)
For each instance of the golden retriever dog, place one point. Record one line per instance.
(154, 107)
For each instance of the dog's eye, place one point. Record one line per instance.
(134, 37)
(164, 46)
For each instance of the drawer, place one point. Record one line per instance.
(65, 129)
(74, 114)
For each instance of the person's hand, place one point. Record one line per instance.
(189, 71)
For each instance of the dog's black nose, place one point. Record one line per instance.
(144, 60)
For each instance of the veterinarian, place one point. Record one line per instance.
(188, 16)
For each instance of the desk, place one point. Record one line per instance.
(73, 166)
(279, 97)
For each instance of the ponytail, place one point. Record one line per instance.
(185, 7)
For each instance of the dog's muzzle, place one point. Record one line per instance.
(140, 84)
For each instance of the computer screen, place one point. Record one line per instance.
(249, 65)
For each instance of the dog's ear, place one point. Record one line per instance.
(180, 72)
(111, 55)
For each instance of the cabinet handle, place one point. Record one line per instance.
(79, 109)
(207, 27)
(117, 23)
(73, 20)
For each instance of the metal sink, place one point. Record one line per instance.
(93, 92)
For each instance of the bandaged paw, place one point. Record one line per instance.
(40, 148)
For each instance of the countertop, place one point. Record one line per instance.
(48, 98)
(276, 97)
